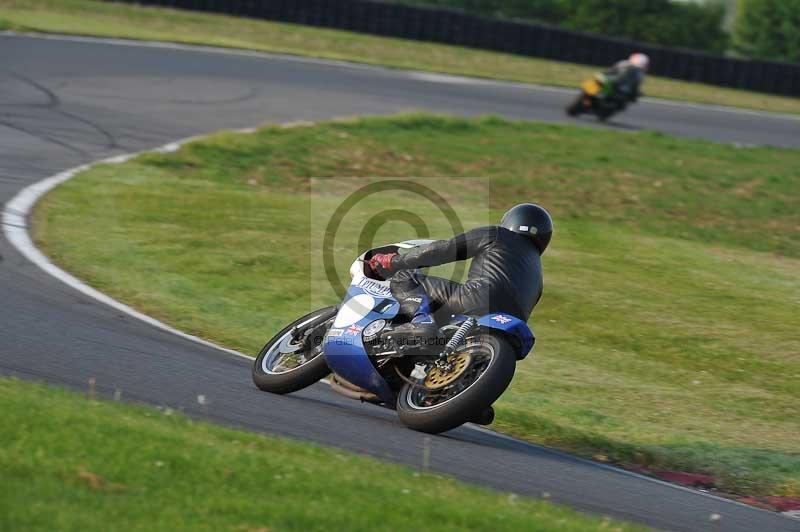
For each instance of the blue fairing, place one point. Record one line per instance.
(512, 326)
(344, 347)
(368, 300)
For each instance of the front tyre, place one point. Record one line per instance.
(435, 407)
(577, 106)
(287, 364)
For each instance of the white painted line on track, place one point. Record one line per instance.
(15, 228)
(431, 77)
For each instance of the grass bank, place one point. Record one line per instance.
(668, 329)
(85, 17)
(72, 464)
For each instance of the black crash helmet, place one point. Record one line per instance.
(532, 220)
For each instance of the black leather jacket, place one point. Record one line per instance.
(627, 79)
(506, 267)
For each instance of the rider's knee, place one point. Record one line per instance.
(403, 280)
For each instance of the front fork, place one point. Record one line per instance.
(298, 331)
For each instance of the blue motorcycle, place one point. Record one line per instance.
(433, 385)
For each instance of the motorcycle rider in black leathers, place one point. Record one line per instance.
(505, 274)
(627, 76)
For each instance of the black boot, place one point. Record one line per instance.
(420, 333)
(421, 330)
(416, 329)
(484, 417)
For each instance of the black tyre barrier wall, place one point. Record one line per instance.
(522, 38)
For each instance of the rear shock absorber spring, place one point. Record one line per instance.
(459, 336)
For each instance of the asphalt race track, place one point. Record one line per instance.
(64, 102)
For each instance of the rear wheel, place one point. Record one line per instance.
(481, 371)
(608, 107)
(604, 114)
(291, 362)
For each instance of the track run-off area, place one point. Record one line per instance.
(68, 101)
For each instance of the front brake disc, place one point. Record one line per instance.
(439, 378)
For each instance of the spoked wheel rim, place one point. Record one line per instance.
(287, 354)
(479, 355)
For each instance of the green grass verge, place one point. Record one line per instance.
(667, 333)
(86, 17)
(67, 463)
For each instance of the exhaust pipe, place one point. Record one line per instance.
(350, 390)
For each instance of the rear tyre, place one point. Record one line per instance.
(607, 110)
(285, 366)
(419, 412)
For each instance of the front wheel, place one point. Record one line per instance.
(577, 106)
(293, 358)
(481, 371)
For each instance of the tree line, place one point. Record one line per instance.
(764, 29)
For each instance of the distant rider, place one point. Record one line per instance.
(626, 77)
(505, 274)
